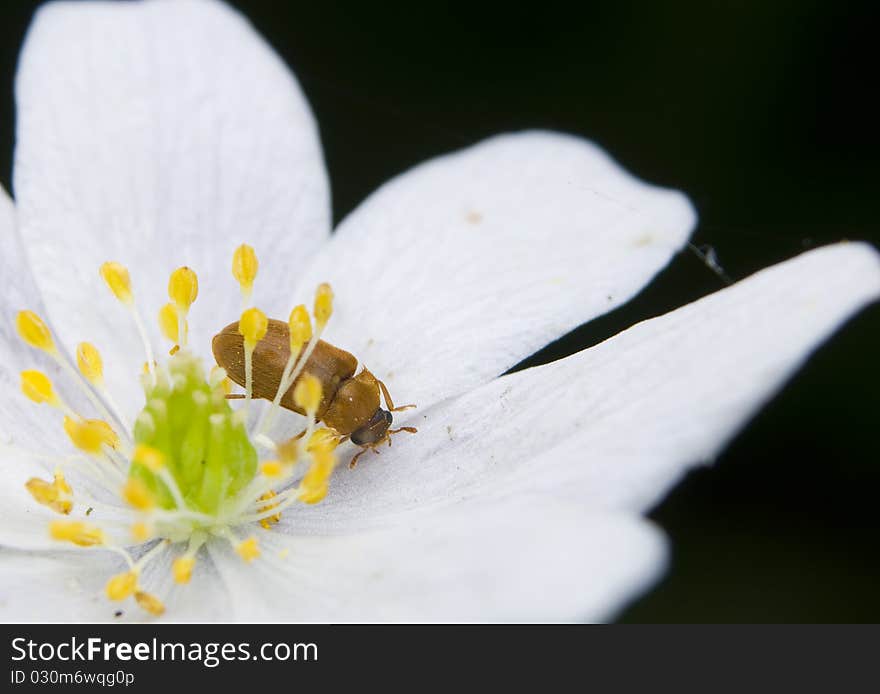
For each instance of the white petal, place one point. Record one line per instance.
(68, 586)
(453, 272)
(22, 522)
(159, 134)
(523, 560)
(616, 425)
(57, 586)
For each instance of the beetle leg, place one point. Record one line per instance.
(354, 460)
(388, 401)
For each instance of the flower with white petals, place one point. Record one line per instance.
(153, 139)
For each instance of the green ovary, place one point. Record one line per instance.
(205, 444)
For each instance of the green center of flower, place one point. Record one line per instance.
(203, 442)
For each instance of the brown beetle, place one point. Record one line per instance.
(350, 402)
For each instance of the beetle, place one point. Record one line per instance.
(350, 402)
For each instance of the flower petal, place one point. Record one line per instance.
(22, 423)
(453, 272)
(68, 586)
(159, 134)
(523, 560)
(616, 425)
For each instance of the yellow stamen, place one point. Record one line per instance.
(151, 458)
(323, 304)
(57, 494)
(323, 439)
(90, 435)
(272, 468)
(182, 569)
(300, 329)
(307, 393)
(141, 532)
(37, 387)
(252, 327)
(183, 287)
(122, 586)
(269, 521)
(315, 483)
(138, 495)
(219, 379)
(150, 603)
(168, 323)
(244, 268)
(77, 532)
(116, 276)
(34, 331)
(90, 364)
(248, 549)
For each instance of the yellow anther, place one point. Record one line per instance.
(248, 549)
(300, 328)
(90, 435)
(150, 603)
(182, 569)
(272, 468)
(168, 323)
(269, 521)
(244, 267)
(307, 393)
(57, 494)
(116, 276)
(34, 331)
(37, 387)
(183, 288)
(323, 439)
(253, 326)
(90, 364)
(141, 532)
(122, 586)
(151, 458)
(323, 304)
(138, 494)
(77, 532)
(315, 483)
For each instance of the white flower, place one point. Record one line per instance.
(166, 133)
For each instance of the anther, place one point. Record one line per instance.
(183, 289)
(38, 388)
(31, 328)
(182, 569)
(89, 435)
(141, 532)
(300, 329)
(269, 521)
(248, 549)
(90, 364)
(151, 458)
(244, 269)
(57, 494)
(150, 603)
(307, 393)
(314, 485)
(138, 495)
(122, 586)
(77, 532)
(323, 304)
(116, 276)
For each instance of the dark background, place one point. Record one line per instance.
(762, 112)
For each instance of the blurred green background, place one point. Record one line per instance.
(763, 113)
